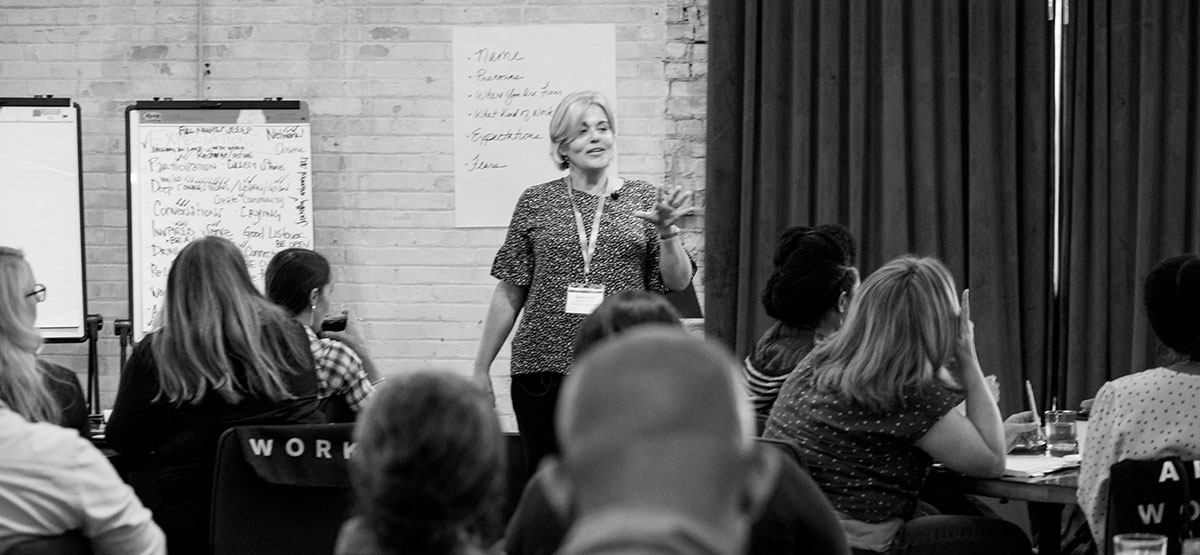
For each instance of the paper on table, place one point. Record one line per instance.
(1028, 466)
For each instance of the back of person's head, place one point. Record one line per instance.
(1172, 295)
(213, 315)
(814, 266)
(428, 469)
(652, 419)
(621, 311)
(21, 384)
(900, 329)
(292, 275)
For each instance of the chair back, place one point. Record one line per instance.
(1160, 496)
(71, 543)
(281, 489)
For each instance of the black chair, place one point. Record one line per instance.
(71, 543)
(281, 489)
(1157, 496)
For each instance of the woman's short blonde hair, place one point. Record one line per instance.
(569, 116)
(900, 331)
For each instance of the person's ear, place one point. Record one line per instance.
(843, 302)
(761, 479)
(314, 296)
(558, 489)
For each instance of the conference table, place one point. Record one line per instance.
(1047, 495)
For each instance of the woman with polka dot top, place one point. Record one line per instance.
(1155, 413)
(873, 407)
(572, 242)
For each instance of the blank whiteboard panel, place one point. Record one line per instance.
(41, 208)
(240, 170)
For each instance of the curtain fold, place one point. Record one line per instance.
(921, 125)
(1129, 178)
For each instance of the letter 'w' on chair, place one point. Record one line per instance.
(1160, 496)
(281, 489)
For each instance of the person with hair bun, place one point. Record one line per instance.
(807, 294)
(427, 470)
(301, 281)
(1168, 396)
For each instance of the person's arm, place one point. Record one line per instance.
(1100, 452)
(507, 302)
(128, 429)
(972, 444)
(353, 337)
(673, 261)
(110, 514)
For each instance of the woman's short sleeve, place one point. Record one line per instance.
(514, 261)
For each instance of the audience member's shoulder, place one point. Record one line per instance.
(42, 440)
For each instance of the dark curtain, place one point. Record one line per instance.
(921, 125)
(1129, 178)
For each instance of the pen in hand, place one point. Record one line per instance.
(1037, 416)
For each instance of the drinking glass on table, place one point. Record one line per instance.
(1060, 432)
(1139, 544)
(1191, 546)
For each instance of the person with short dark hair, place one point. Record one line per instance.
(301, 281)
(427, 470)
(795, 519)
(657, 448)
(1153, 413)
(220, 355)
(807, 294)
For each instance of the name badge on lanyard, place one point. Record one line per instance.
(583, 298)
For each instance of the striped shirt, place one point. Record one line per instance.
(339, 370)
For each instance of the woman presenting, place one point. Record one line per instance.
(571, 242)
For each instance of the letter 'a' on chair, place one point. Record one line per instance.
(281, 489)
(1160, 496)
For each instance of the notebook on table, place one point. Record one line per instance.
(1029, 466)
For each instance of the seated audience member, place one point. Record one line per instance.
(873, 407)
(657, 454)
(52, 481)
(300, 281)
(1154, 413)
(796, 518)
(220, 355)
(807, 294)
(70, 407)
(428, 469)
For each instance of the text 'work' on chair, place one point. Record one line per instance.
(1160, 496)
(281, 489)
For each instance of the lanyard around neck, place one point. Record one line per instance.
(587, 245)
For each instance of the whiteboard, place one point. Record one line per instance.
(41, 206)
(241, 170)
(507, 82)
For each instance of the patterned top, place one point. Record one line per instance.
(542, 252)
(867, 463)
(777, 353)
(1142, 416)
(339, 370)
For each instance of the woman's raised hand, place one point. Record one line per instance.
(965, 349)
(668, 210)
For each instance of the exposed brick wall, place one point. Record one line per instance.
(377, 77)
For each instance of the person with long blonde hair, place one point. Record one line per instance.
(220, 355)
(52, 481)
(873, 407)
